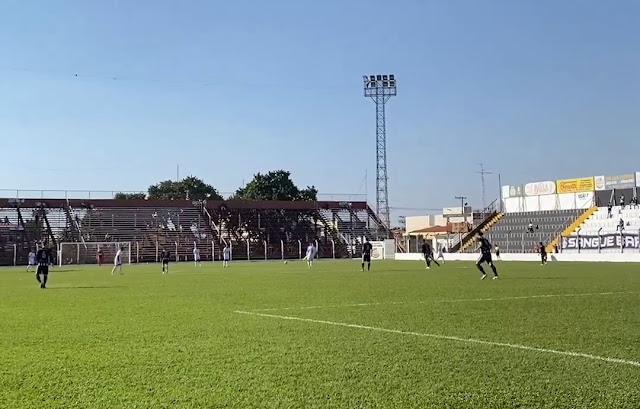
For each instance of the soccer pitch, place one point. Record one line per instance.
(270, 335)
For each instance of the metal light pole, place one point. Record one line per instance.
(380, 88)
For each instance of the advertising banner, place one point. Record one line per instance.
(377, 250)
(606, 241)
(516, 191)
(575, 185)
(599, 182)
(540, 188)
(627, 181)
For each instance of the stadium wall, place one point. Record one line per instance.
(532, 257)
(569, 194)
(566, 201)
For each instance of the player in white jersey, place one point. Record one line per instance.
(311, 254)
(226, 256)
(32, 260)
(196, 257)
(440, 255)
(117, 261)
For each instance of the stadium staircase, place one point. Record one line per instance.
(73, 229)
(511, 233)
(480, 220)
(351, 227)
(467, 241)
(577, 223)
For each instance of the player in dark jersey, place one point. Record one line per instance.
(427, 252)
(543, 254)
(43, 258)
(485, 256)
(366, 254)
(164, 256)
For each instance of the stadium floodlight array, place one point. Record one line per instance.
(380, 88)
(87, 253)
(374, 84)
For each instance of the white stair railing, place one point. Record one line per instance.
(75, 221)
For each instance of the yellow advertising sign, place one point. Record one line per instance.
(575, 185)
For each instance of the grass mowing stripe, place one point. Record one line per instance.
(449, 338)
(523, 297)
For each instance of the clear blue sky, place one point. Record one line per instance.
(536, 90)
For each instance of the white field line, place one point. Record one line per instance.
(451, 338)
(523, 297)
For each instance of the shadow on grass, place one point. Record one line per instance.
(82, 287)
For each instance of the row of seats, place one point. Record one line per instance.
(511, 233)
(601, 222)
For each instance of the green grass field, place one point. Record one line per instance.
(560, 336)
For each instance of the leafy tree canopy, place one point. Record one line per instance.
(275, 185)
(130, 196)
(191, 188)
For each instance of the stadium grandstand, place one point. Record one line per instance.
(254, 230)
(589, 214)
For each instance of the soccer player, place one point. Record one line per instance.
(440, 255)
(100, 257)
(196, 257)
(497, 249)
(44, 258)
(543, 254)
(226, 256)
(32, 260)
(366, 254)
(427, 253)
(311, 254)
(485, 256)
(164, 256)
(117, 261)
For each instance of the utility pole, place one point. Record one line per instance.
(483, 172)
(462, 202)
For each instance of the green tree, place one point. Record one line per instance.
(272, 224)
(275, 185)
(191, 188)
(130, 196)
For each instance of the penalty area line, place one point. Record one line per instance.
(449, 338)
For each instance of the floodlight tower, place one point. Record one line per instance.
(380, 88)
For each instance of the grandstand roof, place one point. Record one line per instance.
(229, 204)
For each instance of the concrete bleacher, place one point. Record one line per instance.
(601, 223)
(511, 233)
(175, 229)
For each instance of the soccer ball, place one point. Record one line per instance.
(285, 262)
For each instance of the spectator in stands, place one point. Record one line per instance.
(609, 207)
(530, 228)
(622, 201)
(620, 226)
(634, 201)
